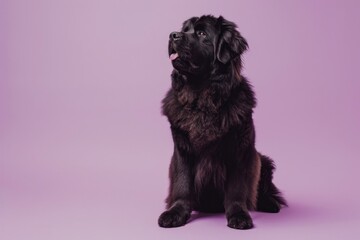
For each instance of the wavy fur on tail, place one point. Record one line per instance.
(269, 198)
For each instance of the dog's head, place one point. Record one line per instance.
(206, 45)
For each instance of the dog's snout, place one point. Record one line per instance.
(176, 36)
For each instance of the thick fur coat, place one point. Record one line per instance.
(215, 166)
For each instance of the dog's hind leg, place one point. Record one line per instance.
(269, 197)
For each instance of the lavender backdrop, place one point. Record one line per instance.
(84, 151)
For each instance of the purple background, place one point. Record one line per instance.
(84, 151)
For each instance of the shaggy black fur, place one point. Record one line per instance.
(215, 166)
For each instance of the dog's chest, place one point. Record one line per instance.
(202, 127)
(199, 116)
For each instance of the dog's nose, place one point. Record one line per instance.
(175, 36)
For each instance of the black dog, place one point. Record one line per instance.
(215, 166)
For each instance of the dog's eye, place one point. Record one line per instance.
(201, 33)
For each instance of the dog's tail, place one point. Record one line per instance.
(269, 197)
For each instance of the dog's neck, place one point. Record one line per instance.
(207, 93)
(194, 82)
(201, 82)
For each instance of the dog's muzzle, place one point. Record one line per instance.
(175, 36)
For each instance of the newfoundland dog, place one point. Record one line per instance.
(215, 166)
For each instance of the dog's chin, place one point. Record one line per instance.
(181, 65)
(184, 66)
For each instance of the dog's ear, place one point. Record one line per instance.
(230, 43)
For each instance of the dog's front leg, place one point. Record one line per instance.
(237, 192)
(179, 200)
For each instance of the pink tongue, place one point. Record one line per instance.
(174, 56)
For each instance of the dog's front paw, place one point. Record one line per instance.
(240, 221)
(172, 218)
